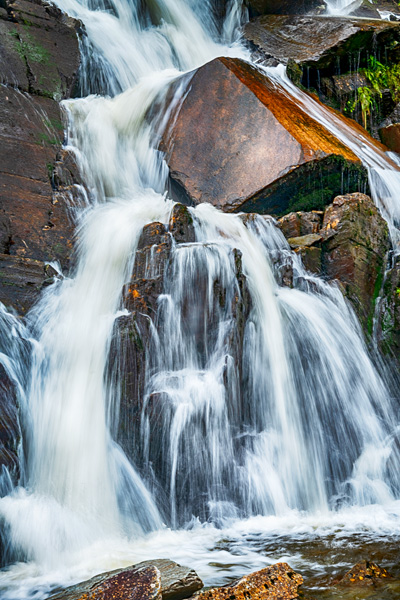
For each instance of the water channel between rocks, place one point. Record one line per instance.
(300, 464)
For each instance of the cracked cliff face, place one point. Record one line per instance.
(38, 67)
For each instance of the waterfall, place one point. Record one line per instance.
(304, 361)
(383, 168)
(342, 7)
(300, 424)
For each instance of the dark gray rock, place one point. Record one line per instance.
(134, 583)
(149, 580)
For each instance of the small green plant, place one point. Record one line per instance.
(383, 77)
(45, 138)
(365, 97)
(380, 77)
(29, 49)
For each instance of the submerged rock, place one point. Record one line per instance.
(160, 579)
(276, 582)
(239, 142)
(364, 573)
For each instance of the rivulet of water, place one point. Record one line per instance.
(272, 420)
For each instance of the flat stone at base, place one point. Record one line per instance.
(149, 580)
(135, 583)
(177, 581)
(278, 582)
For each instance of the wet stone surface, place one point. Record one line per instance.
(159, 579)
(278, 582)
(140, 583)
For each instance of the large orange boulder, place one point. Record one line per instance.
(239, 142)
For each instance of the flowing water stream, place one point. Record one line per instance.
(342, 7)
(299, 463)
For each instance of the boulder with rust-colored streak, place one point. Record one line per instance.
(238, 142)
(134, 583)
(278, 582)
(354, 251)
(170, 581)
(328, 55)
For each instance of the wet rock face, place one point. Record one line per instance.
(9, 427)
(350, 245)
(241, 144)
(284, 7)
(372, 10)
(321, 43)
(177, 582)
(389, 315)
(354, 251)
(390, 136)
(131, 347)
(150, 580)
(40, 58)
(41, 49)
(276, 582)
(329, 55)
(300, 223)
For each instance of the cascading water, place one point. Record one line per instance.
(262, 447)
(342, 7)
(303, 424)
(383, 168)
